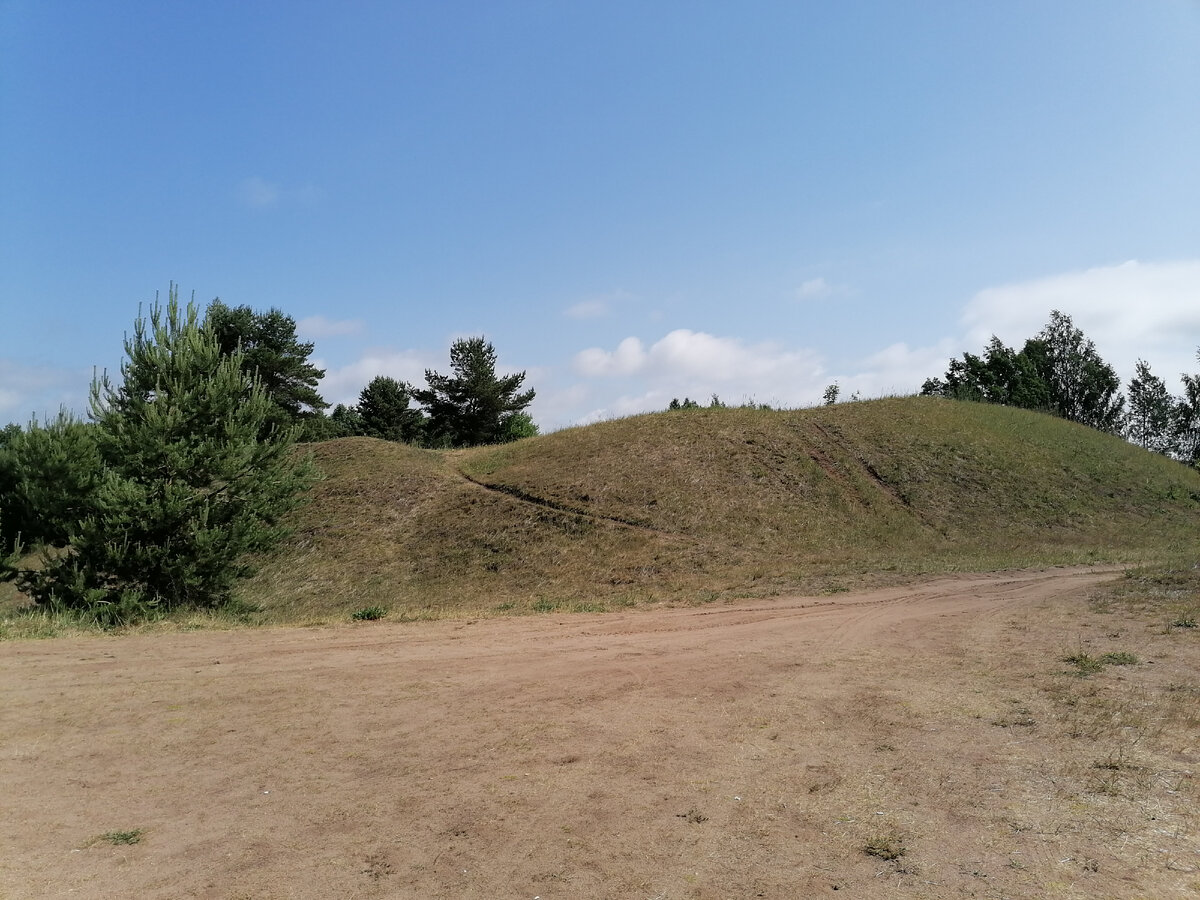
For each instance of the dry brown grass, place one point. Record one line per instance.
(702, 505)
(716, 504)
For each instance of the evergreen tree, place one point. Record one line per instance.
(384, 412)
(48, 475)
(271, 351)
(1151, 419)
(188, 488)
(346, 421)
(473, 405)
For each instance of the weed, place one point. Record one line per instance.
(544, 606)
(1085, 664)
(886, 847)
(1185, 620)
(369, 613)
(1119, 658)
(118, 838)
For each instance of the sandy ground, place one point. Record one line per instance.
(720, 751)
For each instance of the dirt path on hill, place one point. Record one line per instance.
(721, 751)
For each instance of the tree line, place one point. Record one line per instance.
(1059, 371)
(471, 406)
(188, 467)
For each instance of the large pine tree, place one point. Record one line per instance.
(269, 349)
(189, 486)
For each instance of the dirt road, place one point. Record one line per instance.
(733, 751)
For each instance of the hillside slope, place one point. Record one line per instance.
(697, 504)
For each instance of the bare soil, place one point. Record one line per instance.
(925, 741)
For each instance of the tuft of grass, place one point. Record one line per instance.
(1184, 620)
(888, 847)
(1085, 664)
(120, 838)
(1119, 658)
(369, 613)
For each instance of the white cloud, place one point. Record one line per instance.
(683, 354)
(345, 383)
(321, 327)
(697, 365)
(627, 359)
(1131, 310)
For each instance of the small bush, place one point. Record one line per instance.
(1085, 664)
(369, 613)
(117, 838)
(1185, 620)
(1119, 658)
(887, 847)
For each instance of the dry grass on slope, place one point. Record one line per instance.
(698, 505)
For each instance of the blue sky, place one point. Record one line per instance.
(633, 201)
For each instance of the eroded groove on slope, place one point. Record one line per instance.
(517, 494)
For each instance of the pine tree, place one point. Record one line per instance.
(473, 405)
(271, 350)
(384, 411)
(48, 476)
(188, 487)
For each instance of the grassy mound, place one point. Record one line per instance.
(700, 504)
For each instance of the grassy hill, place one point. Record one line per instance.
(703, 504)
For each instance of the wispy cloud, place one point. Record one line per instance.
(819, 288)
(258, 193)
(321, 327)
(598, 306)
(587, 309)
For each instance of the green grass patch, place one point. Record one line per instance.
(1119, 658)
(1085, 664)
(120, 838)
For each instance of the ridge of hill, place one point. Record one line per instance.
(696, 505)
